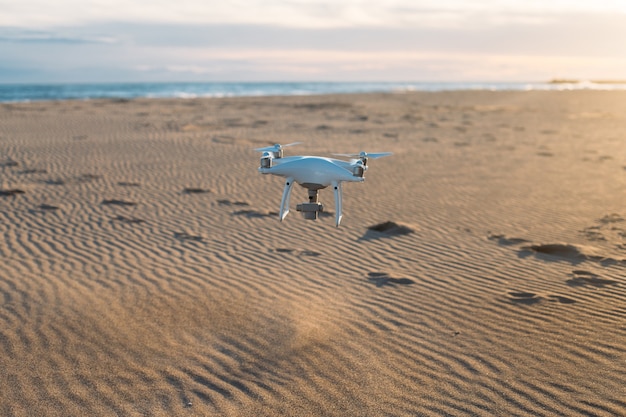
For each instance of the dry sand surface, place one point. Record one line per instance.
(144, 271)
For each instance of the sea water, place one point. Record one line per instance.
(42, 92)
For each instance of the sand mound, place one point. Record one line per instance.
(391, 228)
(559, 250)
(571, 253)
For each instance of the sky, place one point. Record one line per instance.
(311, 40)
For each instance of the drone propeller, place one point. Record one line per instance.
(276, 148)
(362, 155)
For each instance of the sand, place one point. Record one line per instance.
(480, 270)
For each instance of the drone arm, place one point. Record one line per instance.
(284, 203)
(338, 194)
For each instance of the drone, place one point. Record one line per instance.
(314, 173)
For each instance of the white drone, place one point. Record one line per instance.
(313, 173)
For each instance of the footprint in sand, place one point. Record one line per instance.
(232, 203)
(8, 163)
(607, 228)
(224, 139)
(506, 241)
(88, 177)
(411, 118)
(569, 253)
(296, 252)
(560, 299)
(555, 252)
(283, 250)
(32, 171)
(309, 253)
(558, 250)
(54, 181)
(186, 236)
(522, 297)
(47, 207)
(530, 298)
(117, 203)
(43, 208)
(581, 278)
(195, 191)
(129, 220)
(253, 214)
(11, 192)
(611, 218)
(381, 279)
(593, 233)
(128, 184)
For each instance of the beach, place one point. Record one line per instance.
(479, 270)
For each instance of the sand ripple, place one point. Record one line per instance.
(144, 270)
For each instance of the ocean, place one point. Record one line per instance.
(43, 92)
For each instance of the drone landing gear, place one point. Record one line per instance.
(311, 209)
(338, 201)
(284, 202)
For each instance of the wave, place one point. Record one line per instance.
(87, 91)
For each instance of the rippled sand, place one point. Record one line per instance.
(480, 270)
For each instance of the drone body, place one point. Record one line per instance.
(314, 173)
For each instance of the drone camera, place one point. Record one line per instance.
(310, 210)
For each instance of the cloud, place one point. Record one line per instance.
(294, 13)
(571, 45)
(37, 36)
(583, 35)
